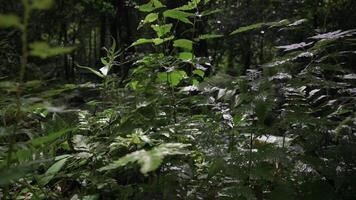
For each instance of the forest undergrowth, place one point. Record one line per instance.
(177, 126)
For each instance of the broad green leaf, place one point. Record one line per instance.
(209, 36)
(142, 41)
(162, 30)
(92, 70)
(149, 160)
(173, 78)
(53, 170)
(186, 56)
(7, 21)
(199, 72)
(42, 4)
(150, 18)
(247, 28)
(179, 15)
(43, 50)
(184, 44)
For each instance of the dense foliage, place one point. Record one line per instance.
(193, 99)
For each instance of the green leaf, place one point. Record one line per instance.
(49, 138)
(176, 77)
(42, 4)
(149, 19)
(142, 41)
(247, 28)
(43, 50)
(8, 21)
(190, 6)
(209, 36)
(92, 70)
(210, 12)
(162, 30)
(186, 56)
(173, 78)
(53, 170)
(149, 160)
(184, 44)
(199, 72)
(156, 41)
(179, 15)
(104, 61)
(150, 6)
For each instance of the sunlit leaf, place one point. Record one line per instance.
(149, 160)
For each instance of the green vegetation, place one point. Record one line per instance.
(163, 99)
